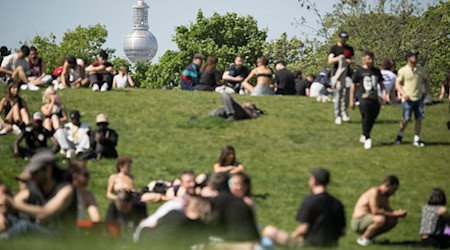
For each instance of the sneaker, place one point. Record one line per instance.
(345, 118)
(70, 154)
(419, 144)
(33, 87)
(3, 132)
(24, 87)
(104, 87)
(363, 241)
(95, 87)
(362, 139)
(16, 130)
(368, 144)
(338, 120)
(398, 140)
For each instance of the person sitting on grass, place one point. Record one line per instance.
(321, 217)
(16, 68)
(122, 180)
(4, 210)
(125, 213)
(73, 74)
(264, 79)
(373, 215)
(209, 76)
(228, 162)
(101, 73)
(36, 139)
(38, 75)
(181, 229)
(186, 186)
(13, 110)
(233, 110)
(74, 137)
(435, 218)
(53, 110)
(87, 209)
(103, 140)
(240, 186)
(122, 79)
(49, 200)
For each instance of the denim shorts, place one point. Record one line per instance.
(409, 107)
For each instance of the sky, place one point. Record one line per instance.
(43, 17)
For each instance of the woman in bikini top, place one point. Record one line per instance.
(122, 180)
(264, 78)
(53, 110)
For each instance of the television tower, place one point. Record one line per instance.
(140, 45)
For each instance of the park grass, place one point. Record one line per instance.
(167, 132)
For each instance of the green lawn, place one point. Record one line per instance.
(295, 135)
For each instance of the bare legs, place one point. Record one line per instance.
(17, 115)
(20, 75)
(52, 124)
(380, 224)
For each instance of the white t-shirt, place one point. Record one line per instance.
(122, 82)
(12, 62)
(388, 80)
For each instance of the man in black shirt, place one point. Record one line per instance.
(284, 79)
(321, 217)
(236, 74)
(366, 79)
(303, 86)
(341, 57)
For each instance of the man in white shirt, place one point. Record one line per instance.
(74, 137)
(16, 67)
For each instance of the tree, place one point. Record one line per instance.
(282, 49)
(221, 36)
(83, 42)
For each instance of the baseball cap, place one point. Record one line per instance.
(74, 114)
(411, 53)
(101, 118)
(38, 116)
(37, 162)
(198, 55)
(343, 34)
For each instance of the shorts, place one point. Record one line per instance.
(262, 90)
(413, 106)
(360, 225)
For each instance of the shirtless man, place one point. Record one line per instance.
(373, 215)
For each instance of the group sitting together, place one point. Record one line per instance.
(204, 210)
(29, 70)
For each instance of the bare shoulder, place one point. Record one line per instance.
(112, 177)
(443, 210)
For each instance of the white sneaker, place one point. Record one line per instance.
(16, 129)
(3, 132)
(70, 154)
(345, 117)
(24, 87)
(368, 144)
(338, 120)
(33, 87)
(95, 87)
(362, 139)
(363, 241)
(104, 87)
(419, 144)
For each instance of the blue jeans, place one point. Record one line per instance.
(22, 226)
(409, 107)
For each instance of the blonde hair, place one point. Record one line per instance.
(46, 93)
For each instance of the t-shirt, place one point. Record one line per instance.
(190, 77)
(412, 81)
(210, 78)
(301, 86)
(345, 50)
(233, 219)
(286, 82)
(127, 222)
(368, 80)
(388, 80)
(234, 72)
(12, 62)
(326, 219)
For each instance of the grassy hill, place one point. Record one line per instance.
(296, 134)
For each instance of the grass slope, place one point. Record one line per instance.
(295, 135)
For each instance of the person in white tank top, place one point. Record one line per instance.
(122, 79)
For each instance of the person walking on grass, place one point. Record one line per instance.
(341, 57)
(412, 84)
(366, 79)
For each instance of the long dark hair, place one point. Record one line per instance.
(211, 63)
(437, 197)
(447, 79)
(8, 92)
(223, 155)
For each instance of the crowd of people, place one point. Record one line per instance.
(202, 209)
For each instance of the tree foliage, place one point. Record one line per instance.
(386, 27)
(223, 36)
(82, 42)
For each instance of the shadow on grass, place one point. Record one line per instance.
(409, 143)
(204, 123)
(412, 244)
